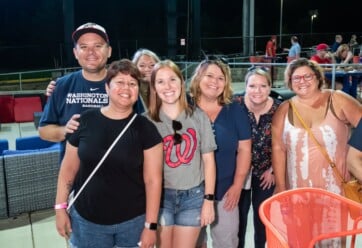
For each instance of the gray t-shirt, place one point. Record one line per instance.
(183, 167)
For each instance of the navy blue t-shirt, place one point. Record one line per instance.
(231, 125)
(356, 138)
(72, 95)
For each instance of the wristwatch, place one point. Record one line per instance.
(151, 226)
(209, 197)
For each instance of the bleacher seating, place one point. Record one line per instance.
(7, 109)
(18, 108)
(24, 108)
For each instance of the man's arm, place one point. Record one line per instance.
(52, 132)
(56, 133)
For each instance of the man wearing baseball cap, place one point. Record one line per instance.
(322, 55)
(80, 90)
(89, 28)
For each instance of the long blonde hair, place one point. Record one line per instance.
(341, 49)
(226, 96)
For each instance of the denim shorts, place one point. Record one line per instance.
(86, 234)
(182, 207)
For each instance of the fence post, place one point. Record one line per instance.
(20, 83)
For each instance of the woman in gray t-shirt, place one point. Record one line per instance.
(189, 164)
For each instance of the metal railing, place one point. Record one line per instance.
(37, 81)
(30, 81)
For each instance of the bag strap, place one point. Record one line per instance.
(71, 202)
(322, 149)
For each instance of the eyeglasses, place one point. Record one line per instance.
(176, 126)
(306, 77)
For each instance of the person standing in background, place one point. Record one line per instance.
(270, 55)
(294, 50)
(80, 90)
(337, 42)
(271, 47)
(353, 43)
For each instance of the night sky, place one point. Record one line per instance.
(32, 32)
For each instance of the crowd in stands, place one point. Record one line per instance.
(340, 53)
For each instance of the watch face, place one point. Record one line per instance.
(209, 197)
(153, 226)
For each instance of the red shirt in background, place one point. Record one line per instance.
(319, 60)
(271, 49)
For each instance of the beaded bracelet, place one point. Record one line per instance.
(63, 205)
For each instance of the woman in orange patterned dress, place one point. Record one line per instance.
(296, 158)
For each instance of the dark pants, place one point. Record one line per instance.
(255, 196)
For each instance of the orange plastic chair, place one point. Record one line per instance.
(307, 217)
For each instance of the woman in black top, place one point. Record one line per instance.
(119, 206)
